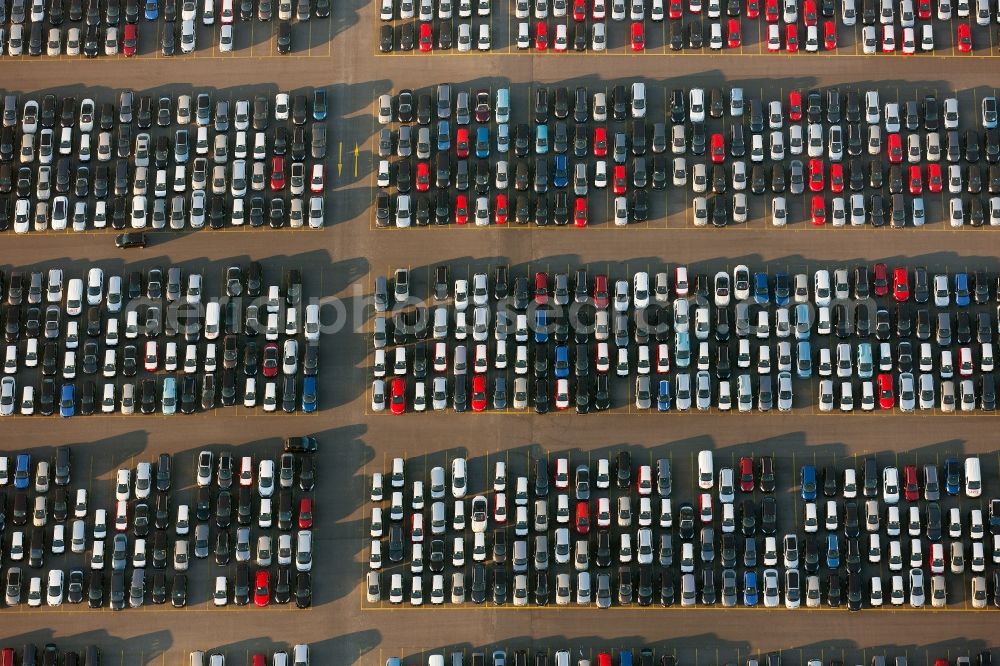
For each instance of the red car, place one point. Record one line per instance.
(792, 38)
(479, 392)
(426, 37)
(735, 36)
(795, 106)
(500, 217)
(461, 209)
(269, 366)
(895, 148)
(911, 487)
(935, 181)
(829, 35)
(916, 180)
(462, 142)
(675, 9)
(600, 142)
(541, 288)
(836, 177)
(924, 9)
(881, 281)
(601, 291)
(638, 32)
(277, 173)
(753, 9)
(746, 474)
(397, 399)
(580, 212)
(816, 175)
(259, 660)
(900, 285)
(818, 208)
(809, 14)
(718, 148)
(541, 36)
(582, 517)
(619, 182)
(964, 38)
(579, 10)
(885, 397)
(771, 11)
(262, 588)
(423, 176)
(305, 513)
(131, 40)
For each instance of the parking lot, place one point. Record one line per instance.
(661, 36)
(339, 628)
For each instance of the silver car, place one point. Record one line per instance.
(642, 392)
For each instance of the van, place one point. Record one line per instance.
(379, 335)
(706, 474)
(79, 539)
(74, 297)
(212, 315)
(438, 518)
(381, 296)
(973, 478)
(638, 100)
(502, 111)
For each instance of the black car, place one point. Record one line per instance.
(95, 591)
(178, 591)
(303, 590)
(282, 586)
(284, 37)
(74, 588)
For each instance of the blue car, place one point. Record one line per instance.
(482, 143)
(803, 366)
(952, 476)
(22, 471)
(169, 400)
(663, 396)
(444, 136)
(541, 327)
(625, 658)
(152, 11)
(761, 293)
(560, 175)
(750, 594)
(962, 290)
(67, 401)
(309, 399)
(562, 362)
(782, 291)
(808, 483)
(541, 139)
(832, 551)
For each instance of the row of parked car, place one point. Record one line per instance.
(165, 162)
(695, 531)
(297, 656)
(629, 657)
(834, 160)
(29, 653)
(156, 338)
(92, 28)
(570, 330)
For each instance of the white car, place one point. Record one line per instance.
(54, 589)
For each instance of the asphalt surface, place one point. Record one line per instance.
(354, 444)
